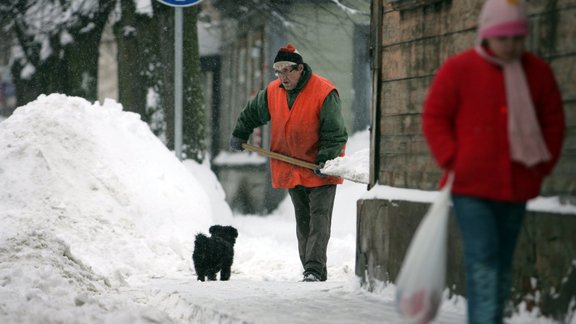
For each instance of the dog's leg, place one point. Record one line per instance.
(225, 273)
(212, 276)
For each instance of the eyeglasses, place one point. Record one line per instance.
(284, 71)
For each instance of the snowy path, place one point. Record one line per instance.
(246, 301)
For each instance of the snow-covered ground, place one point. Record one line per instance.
(98, 220)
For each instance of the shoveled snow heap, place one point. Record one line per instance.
(87, 202)
(354, 167)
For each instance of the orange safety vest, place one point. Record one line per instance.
(296, 132)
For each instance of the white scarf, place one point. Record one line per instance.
(527, 145)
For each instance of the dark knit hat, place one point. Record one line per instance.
(288, 54)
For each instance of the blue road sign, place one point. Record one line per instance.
(180, 3)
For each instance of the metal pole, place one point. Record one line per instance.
(178, 82)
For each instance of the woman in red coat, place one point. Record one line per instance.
(493, 116)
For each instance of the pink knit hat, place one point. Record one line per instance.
(503, 18)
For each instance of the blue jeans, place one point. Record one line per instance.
(489, 231)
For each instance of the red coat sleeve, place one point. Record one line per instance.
(440, 108)
(550, 113)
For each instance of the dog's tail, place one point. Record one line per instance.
(201, 239)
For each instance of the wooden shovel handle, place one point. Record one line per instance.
(278, 156)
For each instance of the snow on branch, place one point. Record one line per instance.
(348, 10)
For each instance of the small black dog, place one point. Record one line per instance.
(214, 254)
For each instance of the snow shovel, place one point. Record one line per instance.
(304, 164)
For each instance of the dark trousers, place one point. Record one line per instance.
(313, 208)
(489, 231)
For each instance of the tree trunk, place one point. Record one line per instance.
(193, 123)
(165, 74)
(194, 114)
(132, 84)
(80, 65)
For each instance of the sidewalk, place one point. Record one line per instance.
(264, 302)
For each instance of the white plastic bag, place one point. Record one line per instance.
(420, 284)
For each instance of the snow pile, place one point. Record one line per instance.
(41, 282)
(355, 167)
(89, 199)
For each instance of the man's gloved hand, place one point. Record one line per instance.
(318, 169)
(236, 144)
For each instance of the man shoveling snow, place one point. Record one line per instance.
(306, 124)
